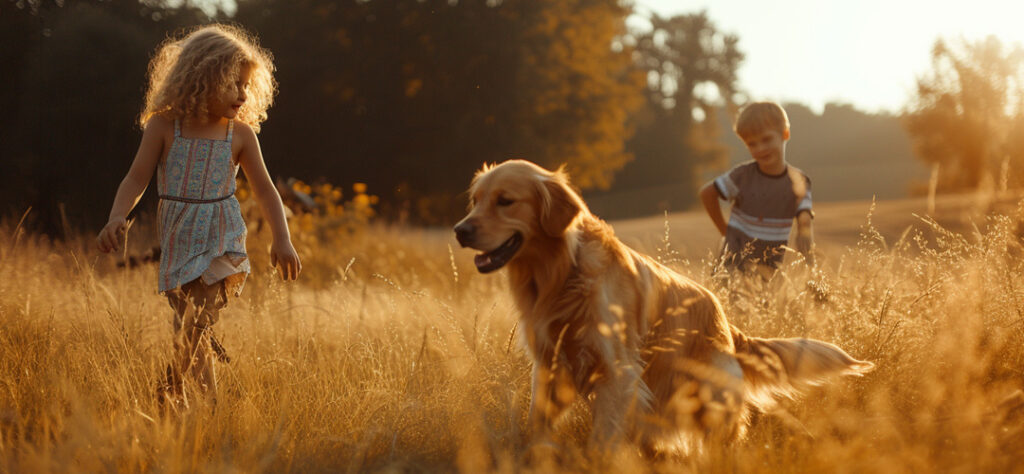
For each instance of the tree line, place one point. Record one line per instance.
(407, 96)
(410, 97)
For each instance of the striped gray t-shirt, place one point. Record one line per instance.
(763, 210)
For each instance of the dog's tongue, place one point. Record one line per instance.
(497, 258)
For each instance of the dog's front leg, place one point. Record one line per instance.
(619, 400)
(552, 392)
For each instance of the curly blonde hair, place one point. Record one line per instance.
(187, 70)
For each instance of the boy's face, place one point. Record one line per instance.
(768, 149)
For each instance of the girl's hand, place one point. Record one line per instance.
(284, 254)
(111, 236)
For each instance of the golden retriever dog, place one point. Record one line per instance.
(650, 349)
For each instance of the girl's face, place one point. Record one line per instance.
(225, 103)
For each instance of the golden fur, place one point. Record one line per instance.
(649, 347)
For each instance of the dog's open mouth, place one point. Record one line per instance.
(497, 258)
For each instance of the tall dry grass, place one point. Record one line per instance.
(392, 354)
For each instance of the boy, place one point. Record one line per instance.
(767, 194)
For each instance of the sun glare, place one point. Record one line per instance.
(1002, 22)
(867, 53)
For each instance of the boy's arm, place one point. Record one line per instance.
(805, 236)
(709, 196)
(251, 159)
(134, 184)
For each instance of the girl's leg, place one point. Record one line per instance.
(197, 358)
(206, 302)
(196, 307)
(171, 390)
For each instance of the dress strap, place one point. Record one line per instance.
(177, 128)
(231, 128)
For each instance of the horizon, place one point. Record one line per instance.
(820, 69)
(765, 74)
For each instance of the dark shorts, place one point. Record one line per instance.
(740, 252)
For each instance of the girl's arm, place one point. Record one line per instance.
(709, 196)
(251, 159)
(134, 183)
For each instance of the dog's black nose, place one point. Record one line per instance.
(464, 233)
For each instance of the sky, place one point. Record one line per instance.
(862, 52)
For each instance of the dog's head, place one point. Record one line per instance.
(513, 207)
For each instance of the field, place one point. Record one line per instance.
(391, 354)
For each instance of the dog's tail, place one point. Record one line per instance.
(775, 368)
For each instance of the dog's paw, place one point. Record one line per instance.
(543, 455)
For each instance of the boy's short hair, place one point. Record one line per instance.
(759, 116)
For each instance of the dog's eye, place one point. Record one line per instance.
(504, 201)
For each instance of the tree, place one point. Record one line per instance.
(968, 113)
(580, 91)
(407, 96)
(690, 69)
(412, 97)
(73, 96)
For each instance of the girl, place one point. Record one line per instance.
(208, 93)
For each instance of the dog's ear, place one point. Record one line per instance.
(559, 204)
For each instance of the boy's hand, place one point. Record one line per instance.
(284, 254)
(805, 237)
(110, 237)
(805, 245)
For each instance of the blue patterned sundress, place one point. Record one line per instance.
(202, 233)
